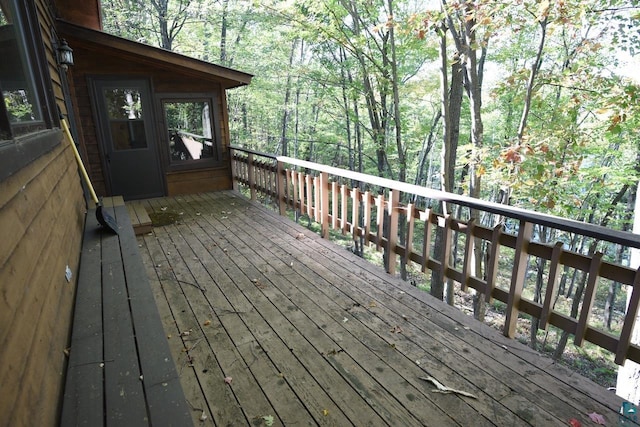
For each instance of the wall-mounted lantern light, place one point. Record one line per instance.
(65, 54)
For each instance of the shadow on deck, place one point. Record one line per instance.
(306, 333)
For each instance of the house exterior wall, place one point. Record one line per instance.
(92, 63)
(42, 212)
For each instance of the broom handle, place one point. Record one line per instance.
(79, 160)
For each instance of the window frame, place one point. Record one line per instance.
(20, 145)
(212, 98)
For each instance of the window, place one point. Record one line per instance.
(191, 132)
(26, 99)
(22, 111)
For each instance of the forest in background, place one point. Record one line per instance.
(528, 103)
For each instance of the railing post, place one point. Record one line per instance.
(251, 176)
(629, 320)
(392, 239)
(324, 200)
(280, 183)
(520, 264)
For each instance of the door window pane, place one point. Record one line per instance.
(126, 122)
(189, 127)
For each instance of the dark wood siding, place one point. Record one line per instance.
(41, 217)
(42, 213)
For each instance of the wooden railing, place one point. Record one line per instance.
(322, 193)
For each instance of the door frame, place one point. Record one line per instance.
(102, 138)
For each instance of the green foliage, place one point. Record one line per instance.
(579, 146)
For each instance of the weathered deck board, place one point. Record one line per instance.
(312, 334)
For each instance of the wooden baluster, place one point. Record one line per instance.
(409, 236)
(334, 205)
(367, 217)
(301, 192)
(589, 296)
(446, 253)
(468, 254)
(355, 212)
(343, 201)
(380, 204)
(392, 239)
(550, 292)
(426, 238)
(317, 202)
(251, 176)
(309, 186)
(629, 320)
(281, 182)
(492, 264)
(518, 275)
(294, 189)
(324, 204)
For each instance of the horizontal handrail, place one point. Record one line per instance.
(564, 224)
(362, 213)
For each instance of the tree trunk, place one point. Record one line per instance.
(284, 143)
(223, 32)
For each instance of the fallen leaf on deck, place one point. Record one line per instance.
(268, 420)
(163, 208)
(203, 417)
(372, 304)
(325, 412)
(597, 418)
(206, 323)
(345, 320)
(406, 319)
(397, 330)
(441, 388)
(224, 217)
(574, 423)
(185, 333)
(300, 236)
(227, 380)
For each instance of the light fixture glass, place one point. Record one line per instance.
(65, 54)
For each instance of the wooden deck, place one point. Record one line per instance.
(306, 333)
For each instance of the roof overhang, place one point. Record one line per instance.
(156, 57)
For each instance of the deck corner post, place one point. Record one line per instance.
(324, 201)
(280, 183)
(234, 170)
(392, 240)
(520, 264)
(251, 176)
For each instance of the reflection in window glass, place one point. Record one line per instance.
(189, 127)
(15, 79)
(124, 109)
